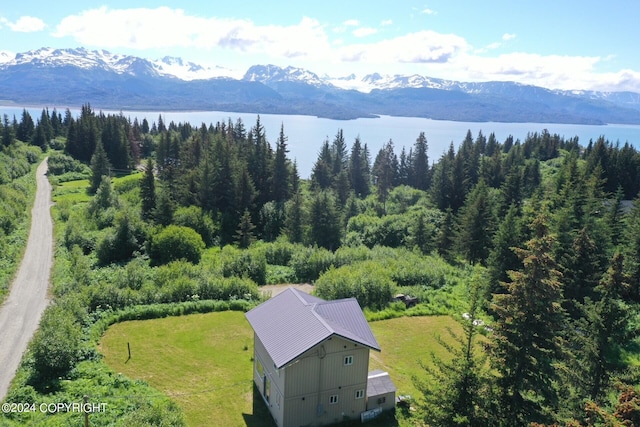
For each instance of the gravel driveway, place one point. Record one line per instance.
(23, 308)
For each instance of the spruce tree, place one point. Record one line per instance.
(526, 335)
(100, 166)
(148, 192)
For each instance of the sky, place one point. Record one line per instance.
(558, 44)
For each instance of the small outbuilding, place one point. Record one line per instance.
(381, 391)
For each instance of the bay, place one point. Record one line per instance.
(307, 133)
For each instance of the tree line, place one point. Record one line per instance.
(548, 220)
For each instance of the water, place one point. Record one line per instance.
(306, 133)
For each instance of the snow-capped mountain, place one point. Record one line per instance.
(186, 70)
(107, 61)
(108, 80)
(267, 74)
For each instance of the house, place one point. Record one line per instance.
(311, 358)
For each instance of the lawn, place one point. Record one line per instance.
(203, 361)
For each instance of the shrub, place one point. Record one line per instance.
(308, 263)
(367, 281)
(120, 244)
(196, 218)
(60, 164)
(176, 242)
(249, 263)
(280, 251)
(55, 346)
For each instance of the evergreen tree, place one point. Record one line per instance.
(148, 192)
(502, 257)
(280, 186)
(294, 218)
(322, 171)
(100, 167)
(606, 328)
(385, 172)
(26, 129)
(244, 233)
(165, 208)
(455, 390)
(420, 164)
(324, 221)
(8, 133)
(526, 334)
(475, 225)
(358, 170)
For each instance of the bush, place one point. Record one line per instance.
(60, 164)
(249, 263)
(309, 263)
(176, 242)
(121, 243)
(56, 345)
(196, 218)
(367, 281)
(280, 251)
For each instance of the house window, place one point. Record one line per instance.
(348, 360)
(259, 367)
(333, 399)
(359, 394)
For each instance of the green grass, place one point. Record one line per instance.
(203, 361)
(71, 191)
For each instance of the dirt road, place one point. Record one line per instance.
(22, 310)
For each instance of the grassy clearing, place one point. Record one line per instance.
(203, 361)
(71, 192)
(407, 340)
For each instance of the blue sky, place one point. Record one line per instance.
(557, 44)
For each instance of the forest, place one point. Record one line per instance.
(539, 238)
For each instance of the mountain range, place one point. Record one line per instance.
(72, 77)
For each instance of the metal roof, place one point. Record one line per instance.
(293, 321)
(378, 383)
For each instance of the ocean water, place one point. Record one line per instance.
(307, 133)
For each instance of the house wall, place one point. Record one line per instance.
(264, 369)
(386, 401)
(320, 373)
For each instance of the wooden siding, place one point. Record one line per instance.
(275, 378)
(320, 373)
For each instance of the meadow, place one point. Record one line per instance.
(204, 361)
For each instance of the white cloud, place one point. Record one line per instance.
(351, 23)
(428, 11)
(419, 47)
(25, 24)
(364, 31)
(386, 22)
(508, 36)
(163, 27)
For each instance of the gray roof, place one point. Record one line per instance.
(378, 383)
(293, 321)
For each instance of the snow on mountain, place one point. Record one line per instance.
(272, 73)
(390, 82)
(6, 56)
(107, 61)
(186, 70)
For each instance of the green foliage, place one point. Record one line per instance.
(60, 164)
(121, 243)
(194, 217)
(250, 263)
(310, 262)
(56, 345)
(176, 242)
(366, 281)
